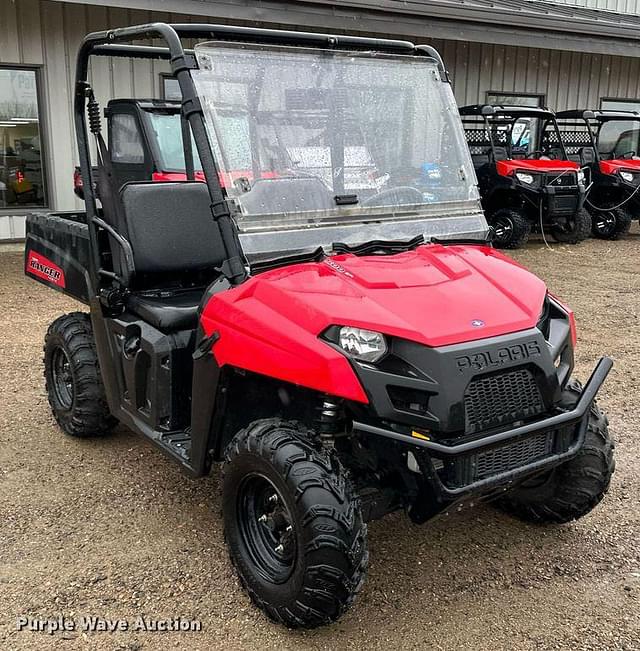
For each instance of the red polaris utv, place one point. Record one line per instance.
(340, 356)
(608, 143)
(525, 178)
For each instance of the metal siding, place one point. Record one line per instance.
(619, 6)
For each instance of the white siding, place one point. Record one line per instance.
(46, 33)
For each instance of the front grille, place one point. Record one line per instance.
(567, 203)
(559, 180)
(509, 457)
(462, 471)
(501, 399)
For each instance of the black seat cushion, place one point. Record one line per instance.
(167, 311)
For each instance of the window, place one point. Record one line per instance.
(514, 99)
(22, 182)
(612, 104)
(619, 137)
(168, 136)
(170, 88)
(126, 141)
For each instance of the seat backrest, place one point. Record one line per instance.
(500, 153)
(587, 155)
(480, 159)
(170, 227)
(289, 194)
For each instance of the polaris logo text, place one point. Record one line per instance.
(51, 273)
(495, 358)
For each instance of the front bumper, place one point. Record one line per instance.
(567, 431)
(556, 201)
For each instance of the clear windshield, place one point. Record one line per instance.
(310, 137)
(619, 137)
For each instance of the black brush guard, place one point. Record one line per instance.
(569, 428)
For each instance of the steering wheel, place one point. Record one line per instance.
(629, 154)
(533, 153)
(403, 194)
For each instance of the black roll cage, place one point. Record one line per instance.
(510, 114)
(599, 118)
(113, 43)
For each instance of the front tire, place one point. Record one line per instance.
(72, 377)
(511, 228)
(573, 230)
(293, 525)
(610, 224)
(574, 488)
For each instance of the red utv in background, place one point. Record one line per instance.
(608, 143)
(526, 181)
(146, 144)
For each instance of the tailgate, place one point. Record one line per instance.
(57, 252)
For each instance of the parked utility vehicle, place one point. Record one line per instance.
(608, 144)
(527, 183)
(341, 357)
(148, 146)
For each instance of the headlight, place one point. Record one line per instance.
(525, 178)
(626, 176)
(434, 174)
(580, 176)
(365, 345)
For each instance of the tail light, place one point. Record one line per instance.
(77, 179)
(78, 185)
(19, 176)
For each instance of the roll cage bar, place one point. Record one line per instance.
(599, 117)
(114, 43)
(510, 114)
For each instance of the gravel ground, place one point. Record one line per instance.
(111, 528)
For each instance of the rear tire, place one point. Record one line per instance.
(293, 525)
(512, 229)
(610, 224)
(576, 230)
(72, 377)
(575, 487)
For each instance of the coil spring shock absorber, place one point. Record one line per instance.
(93, 112)
(330, 419)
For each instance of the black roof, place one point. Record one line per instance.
(147, 104)
(505, 110)
(602, 116)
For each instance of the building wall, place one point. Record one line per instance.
(619, 6)
(47, 34)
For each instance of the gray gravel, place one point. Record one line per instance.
(111, 528)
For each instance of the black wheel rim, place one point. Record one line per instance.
(62, 378)
(605, 223)
(266, 528)
(503, 227)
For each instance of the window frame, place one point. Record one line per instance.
(627, 100)
(44, 143)
(542, 98)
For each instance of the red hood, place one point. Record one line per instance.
(508, 167)
(612, 166)
(436, 295)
